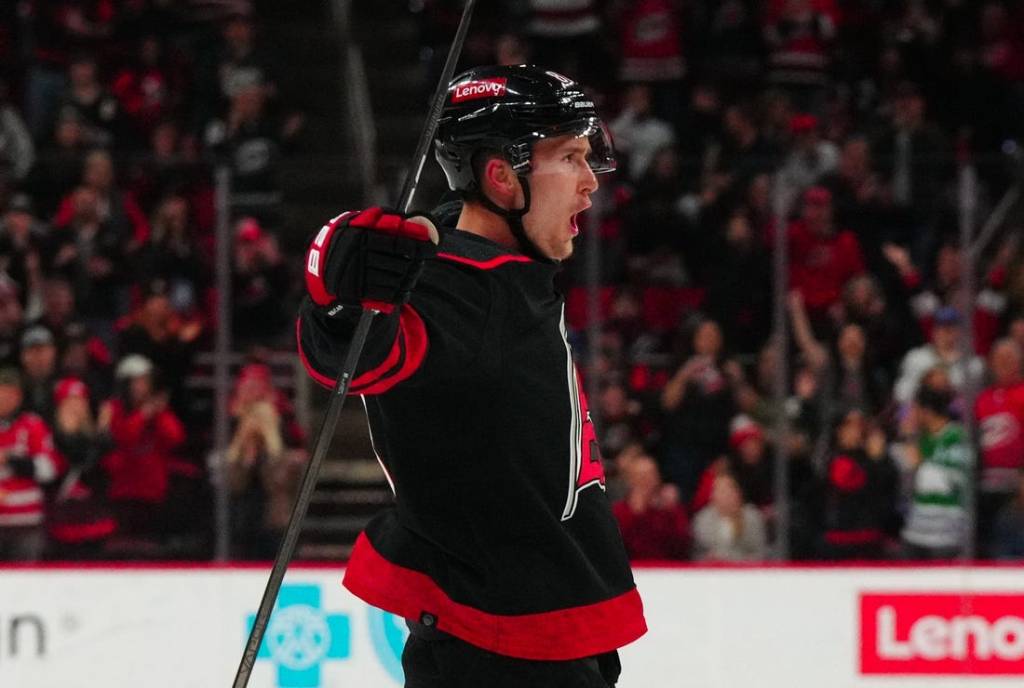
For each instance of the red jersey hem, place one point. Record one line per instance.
(556, 635)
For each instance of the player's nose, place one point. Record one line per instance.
(589, 183)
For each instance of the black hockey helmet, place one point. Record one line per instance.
(506, 110)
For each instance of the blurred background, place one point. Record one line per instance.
(798, 306)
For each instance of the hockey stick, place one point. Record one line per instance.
(355, 350)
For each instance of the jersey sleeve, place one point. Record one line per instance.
(435, 335)
(323, 342)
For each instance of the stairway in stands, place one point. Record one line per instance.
(400, 87)
(319, 182)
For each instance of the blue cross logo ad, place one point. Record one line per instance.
(301, 636)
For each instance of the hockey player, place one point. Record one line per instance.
(501, 550)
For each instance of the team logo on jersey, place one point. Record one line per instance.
(484, 88)
(585, 466)
(998, 429)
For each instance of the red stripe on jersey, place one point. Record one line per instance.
(371, 377)
(34, 507)
(412, 341)
(557, 635)
(484, 264)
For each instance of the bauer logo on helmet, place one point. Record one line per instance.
(484, 88)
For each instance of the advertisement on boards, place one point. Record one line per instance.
(709, 628)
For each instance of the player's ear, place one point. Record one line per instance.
(500, 180)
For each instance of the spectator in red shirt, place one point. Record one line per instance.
(799, 36)
(822, 258)
(148, 88)
(27, 463)
(145, 434)
(115, 206)
(79, 521)
(1000, 413)
(651, 48)
(652, 520)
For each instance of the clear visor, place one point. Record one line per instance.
(602, 153)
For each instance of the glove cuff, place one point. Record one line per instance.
(316, 262)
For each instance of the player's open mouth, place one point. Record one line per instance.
(573, 225)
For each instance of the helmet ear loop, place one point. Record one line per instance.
(514, 218)
(515, 223)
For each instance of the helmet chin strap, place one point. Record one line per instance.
(514, 218)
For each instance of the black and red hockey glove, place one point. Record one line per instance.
(370, 258)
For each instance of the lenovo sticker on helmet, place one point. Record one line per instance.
(484, 88)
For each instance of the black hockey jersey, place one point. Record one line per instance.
(501, 532)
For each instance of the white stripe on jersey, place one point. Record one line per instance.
(575, 426)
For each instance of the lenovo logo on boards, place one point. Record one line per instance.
(942, 634)
(484, 88)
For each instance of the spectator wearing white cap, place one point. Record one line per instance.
(145, 434)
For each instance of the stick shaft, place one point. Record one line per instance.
(291, 536)
(355, 350)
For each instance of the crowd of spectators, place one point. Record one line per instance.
(860, 134)
(113, 116)
(864, 133)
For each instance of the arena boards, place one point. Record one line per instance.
(713, 627)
